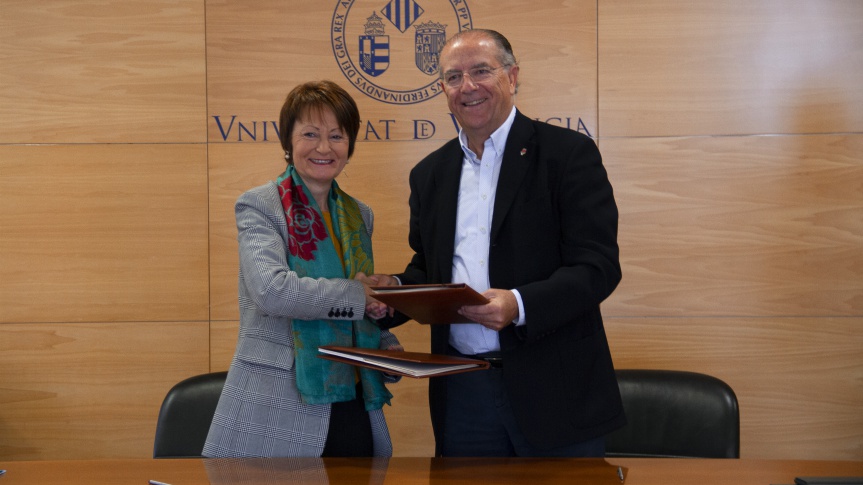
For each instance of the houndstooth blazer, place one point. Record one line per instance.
(260, 413)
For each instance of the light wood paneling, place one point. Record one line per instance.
(103, 233)
(223, 342)
(555, 44)
(102, 71)
(671, 67)
(799, 380)
(764, 225)
(255, 56)
(82, 390)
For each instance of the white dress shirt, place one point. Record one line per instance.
(472, 238)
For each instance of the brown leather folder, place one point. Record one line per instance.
(410, 364)
(431, 304)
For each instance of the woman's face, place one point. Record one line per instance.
(320, 148)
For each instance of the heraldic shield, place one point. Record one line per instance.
(430, 38)
(374, 54)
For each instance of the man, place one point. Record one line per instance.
(522, 211)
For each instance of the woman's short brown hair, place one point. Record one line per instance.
(318, 95)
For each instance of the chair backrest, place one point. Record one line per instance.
(676, 414)
(186, 414)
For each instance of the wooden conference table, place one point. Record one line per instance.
(430, 471)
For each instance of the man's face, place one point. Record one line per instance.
(480, 107)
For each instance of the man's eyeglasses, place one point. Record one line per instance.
(454, 79)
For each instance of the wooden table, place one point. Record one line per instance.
(426, 471)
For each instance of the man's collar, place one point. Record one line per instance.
(497, 138)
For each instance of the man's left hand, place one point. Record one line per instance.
(499, 312)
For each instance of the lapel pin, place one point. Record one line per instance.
(523, 151)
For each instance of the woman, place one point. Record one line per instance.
(303, 243)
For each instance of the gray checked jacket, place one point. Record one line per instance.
(260, 413)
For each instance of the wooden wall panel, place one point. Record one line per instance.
(84, 390)
(102, 71)
(102, 233)
(799, 380)
(739, 225)
(741, 259)
(672, 68)
(555, 43)
(255, 56)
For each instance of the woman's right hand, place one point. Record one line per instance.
(374, 308)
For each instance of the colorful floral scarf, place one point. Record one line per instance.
(312, 254)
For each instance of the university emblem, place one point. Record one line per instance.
(390, 50)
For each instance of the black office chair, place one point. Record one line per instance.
(675, 414)
(186, 414)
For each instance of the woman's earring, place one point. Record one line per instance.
(287, 155)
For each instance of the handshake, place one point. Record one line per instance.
(374, 308)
